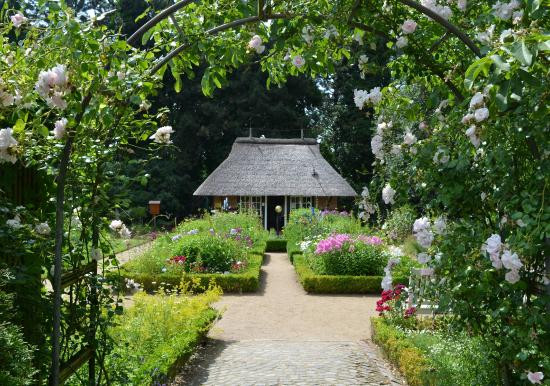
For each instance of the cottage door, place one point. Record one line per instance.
(275, 220)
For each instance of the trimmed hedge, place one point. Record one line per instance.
(292, 249)
(246, 281)
(276, 245)
(410, 360)
(332, 284)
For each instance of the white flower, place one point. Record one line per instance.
(298, 61)
(493, 245)
(360, 97)
(145, 105)
(438, 256)
(511, 260)
(42, 229)
(421, 224)
(476, 101)
(462, 4)
(423, 258)
(125, 232)
(422, 125)
(18, 19)
(6, 99)
(517, 16)
(388, 194)
(116, 225)
(193, 232)
(472, 135)
(60, 128)
(52, 86)
(441, 156)
(375, 95)
(307, 34)
(386, 283)
(131, 284)
(486, 36)
(120, 75)
(176, 237)
(467, 118)
(481, 114)
(365, 192)
(409, 26)
(256, 44)
(7, 143)
(162, 135)
(512, 276)
(401, 42)
(440, 225)
(535, 377)
(14, 223)
(504, 10)
(442, 10)
(376, 146)
(409, 138)
(288, 55)
(424, 238)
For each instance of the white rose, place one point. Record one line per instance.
(409, 26)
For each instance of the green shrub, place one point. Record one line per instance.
(435, 358)
(16, 355)
(354, 259)
(333, 284)
(247, 280)
(275, 245)
(212, 254)
(410, 360)
(156, 335)
(399, 223)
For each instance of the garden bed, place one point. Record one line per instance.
(337, 284)
(429, 357)
(246, 281)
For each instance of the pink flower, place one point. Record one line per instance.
(535, 377)
(408, 26)
(18, 19)
(298, 61)
(410, 312)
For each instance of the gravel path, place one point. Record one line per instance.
(283, 336)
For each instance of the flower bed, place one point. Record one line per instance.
(156, 336)
(225, 248)
(431, 357)
(337, 284)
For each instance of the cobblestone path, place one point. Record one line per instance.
(283, 336)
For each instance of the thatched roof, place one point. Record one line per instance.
(275, 167)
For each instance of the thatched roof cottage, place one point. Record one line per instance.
(263, 173)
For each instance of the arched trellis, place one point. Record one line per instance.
(264, 14)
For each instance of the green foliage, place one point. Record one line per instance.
(16, 356)
(399, 223)
(354, 258)
(276, 245)
(428, 357)
(210, 253)
(410, 360)
(303, 224)
(246, 280)
(341, 284)
(157, 334)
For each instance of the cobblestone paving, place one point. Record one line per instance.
(281, 335)
(288, 363)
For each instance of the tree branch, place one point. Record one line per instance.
(448, 25)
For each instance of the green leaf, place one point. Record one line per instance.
(135, 99)
(522, 53)
(502, 96)
(544, 46)
(477, 67)
(19, 126)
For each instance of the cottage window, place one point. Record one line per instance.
(298, 202)
(251, 203)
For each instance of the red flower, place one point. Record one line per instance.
(410, 312)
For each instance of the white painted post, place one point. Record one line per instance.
(265, 214)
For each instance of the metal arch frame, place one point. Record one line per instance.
(169, 11)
